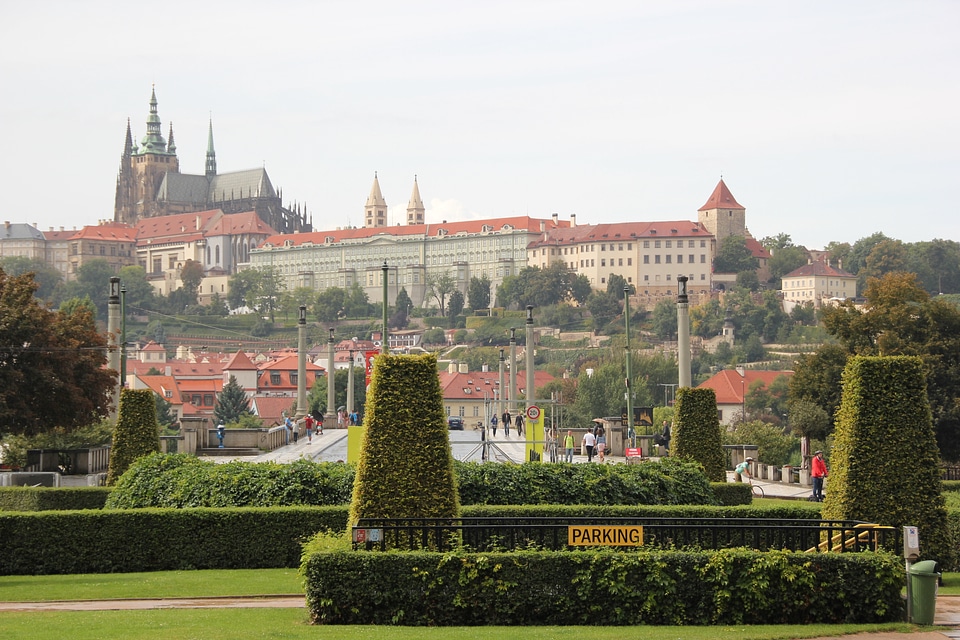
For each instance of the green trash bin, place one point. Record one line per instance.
(924, 579)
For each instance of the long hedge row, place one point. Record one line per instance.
(185, 481)
(602, 588)
(57, 542)
(52, 498)
(60, 542)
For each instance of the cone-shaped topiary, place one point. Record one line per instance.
(696, 431)
(137, 432)
(885, 461)
(406, 467)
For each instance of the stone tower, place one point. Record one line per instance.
(143, 168)
(415, 209)
(722, 215)
(375, 211)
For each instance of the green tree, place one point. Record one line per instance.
(664, 319)
(616, 284)
(696, 431)
(887, 256)
(356, 303)
(886, 466)
(242, 289)
(140, 294)
(773, 445)
(166, 417)
(330, 304)
(478, 292)
(191, 275)
(156, 332)
(93, 280)
(49, 360)
(733, 256)
(816, 379)
(580, 288)
(603, 308)
(439, 286)
(455, 304)
(137, 433)
(399, 476)
(48, 279)
(809, 420)
(232, 403)
(937, 265)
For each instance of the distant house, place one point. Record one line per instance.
(818, 282)
(732, 386)
(473, 395)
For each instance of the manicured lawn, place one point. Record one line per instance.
(158, 584)
(239, 624)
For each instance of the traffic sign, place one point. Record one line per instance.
(533, 412)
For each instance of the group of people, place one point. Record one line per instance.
(345, 418)
(310, 424)
(505, 421)
(594, 442)
(818, 471)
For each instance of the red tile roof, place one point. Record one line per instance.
(107, 232)
(721, 198)
(819, 268)
(620, 231)
(730, 387)
(433, 229)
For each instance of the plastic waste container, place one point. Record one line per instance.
(924, 579)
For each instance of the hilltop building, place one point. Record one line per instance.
(149, 183)
(818, 282)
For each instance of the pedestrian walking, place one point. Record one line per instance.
(601, 435)
(308, 423)
(588, 442)
(493, 425)
(518, 423)
(506, 418)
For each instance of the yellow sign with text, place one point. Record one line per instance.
(609, 536)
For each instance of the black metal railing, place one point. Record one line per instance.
(489, 534)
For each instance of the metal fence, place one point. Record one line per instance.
(491, 534)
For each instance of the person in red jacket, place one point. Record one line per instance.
(818, 470)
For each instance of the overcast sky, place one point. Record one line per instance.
(828, 120)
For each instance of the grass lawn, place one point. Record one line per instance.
(238, 624)
(157, 584)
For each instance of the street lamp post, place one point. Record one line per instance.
(113, 337)
(627, 382)
(743, 392)
(302, 362)
(331, 416)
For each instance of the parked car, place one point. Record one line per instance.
(455, 424)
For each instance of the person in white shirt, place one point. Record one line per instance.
(589, 440)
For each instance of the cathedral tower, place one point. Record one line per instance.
(143, 168)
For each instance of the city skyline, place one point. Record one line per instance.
(828, 123)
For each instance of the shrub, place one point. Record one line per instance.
(406, 467)
(52, 499)
(137, 432)
(696, 431)
(886, 464)
(182, 480)
(607, 587)
(773, 445)
(732, 493)
(60, 542)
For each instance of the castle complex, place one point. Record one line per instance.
(150, 184)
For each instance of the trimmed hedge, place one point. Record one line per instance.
(732, 493)
(602, 588)
(181, 480)
(52, 499)
(696, 431)
(60, 542)
(115, 541)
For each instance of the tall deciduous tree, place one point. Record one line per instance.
(52, 364)
(478, 292)
(191, 275)
(733, 256)
(455, 304)
(439, 286)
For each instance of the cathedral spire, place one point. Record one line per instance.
(153, 142)
(128, 143)
(171, 145)
(211, 166)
